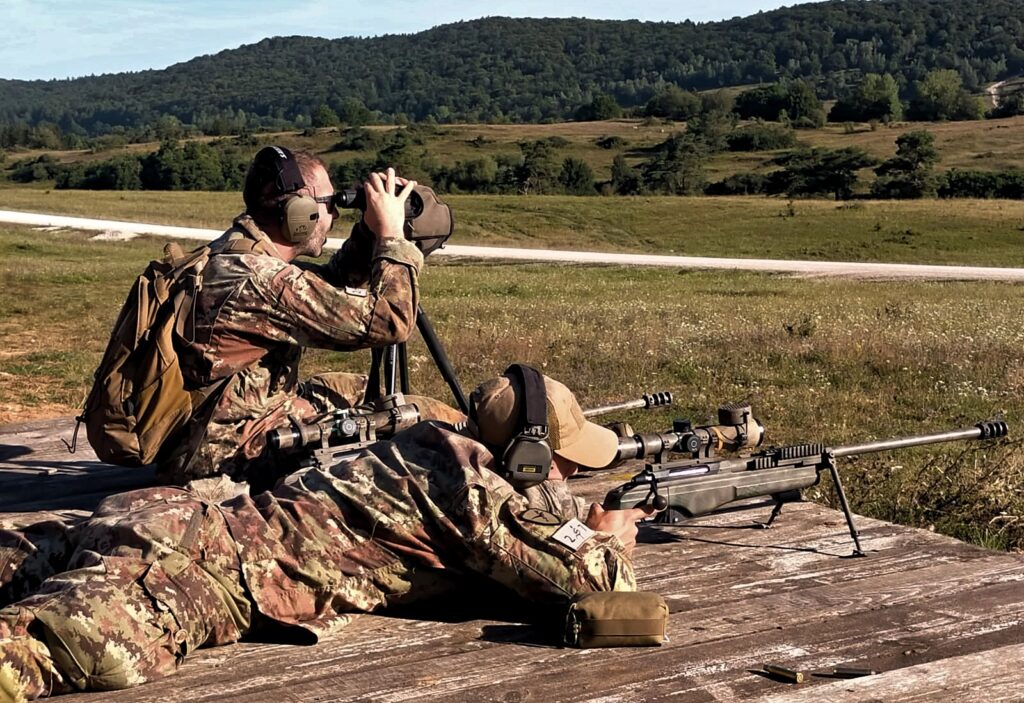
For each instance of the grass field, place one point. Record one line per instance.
(985, 232)
(820, 360)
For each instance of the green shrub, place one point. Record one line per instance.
(761, 137)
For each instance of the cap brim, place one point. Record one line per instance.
(594, 448)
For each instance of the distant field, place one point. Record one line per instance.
(821, 360)
(986, 232)
(984, 145)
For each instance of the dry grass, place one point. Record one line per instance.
(835, 361)
(987, 145)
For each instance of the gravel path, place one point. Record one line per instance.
(111, 229)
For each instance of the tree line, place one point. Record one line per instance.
(676, 166)
(531, 70)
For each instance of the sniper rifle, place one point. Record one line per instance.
(701, 482)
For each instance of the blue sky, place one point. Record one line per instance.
(69, 38)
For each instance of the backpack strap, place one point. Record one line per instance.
(241, 245)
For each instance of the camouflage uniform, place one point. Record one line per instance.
(250, 321)
(156, 573)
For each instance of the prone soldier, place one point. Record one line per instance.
(123, 597)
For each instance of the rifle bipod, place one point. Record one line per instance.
(395, 362)
(795, 497)
(830, 459)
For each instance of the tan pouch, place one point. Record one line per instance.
(616, 619)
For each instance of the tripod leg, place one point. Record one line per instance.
(403, 367)
(390, 367)
(373, 378)
(441, 359)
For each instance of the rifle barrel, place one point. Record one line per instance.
(651, 400)
(983, 430)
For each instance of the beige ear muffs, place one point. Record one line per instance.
(299, 215)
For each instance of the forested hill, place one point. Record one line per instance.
(531, 70)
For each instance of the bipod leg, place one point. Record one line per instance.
(780, 500)
(441, 358)
(831, 464)
(776, 511)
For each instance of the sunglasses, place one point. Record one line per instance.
(328, 200)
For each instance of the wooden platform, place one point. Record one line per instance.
(940, 619)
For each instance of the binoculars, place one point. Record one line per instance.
(428, 220)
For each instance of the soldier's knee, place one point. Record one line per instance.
(334, 390)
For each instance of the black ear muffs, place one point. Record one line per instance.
(527, 458)
(299, 213)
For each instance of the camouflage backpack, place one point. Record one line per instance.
(138, 398)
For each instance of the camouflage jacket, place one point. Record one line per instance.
(255, 313)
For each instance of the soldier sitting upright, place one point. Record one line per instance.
(256, 311)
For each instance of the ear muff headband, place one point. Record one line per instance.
(299, 213)
(280, 163)
(527, 458)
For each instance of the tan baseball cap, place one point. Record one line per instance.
(570, 434)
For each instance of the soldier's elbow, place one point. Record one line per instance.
(394, 328)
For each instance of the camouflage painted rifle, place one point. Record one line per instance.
(701, 482)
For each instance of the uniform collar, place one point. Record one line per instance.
(247, 227)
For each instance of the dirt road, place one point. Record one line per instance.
(115, 229)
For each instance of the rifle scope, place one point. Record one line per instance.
(343, 427)
(737, 429)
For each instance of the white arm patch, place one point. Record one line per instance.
(573, 534)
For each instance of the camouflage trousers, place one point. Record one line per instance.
(147, 582)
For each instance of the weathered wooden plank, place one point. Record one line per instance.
(71, 491)
(38, 473)
(736, 572)
(982, 677)
(687, 673)
(712, 638)
(516, 672)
